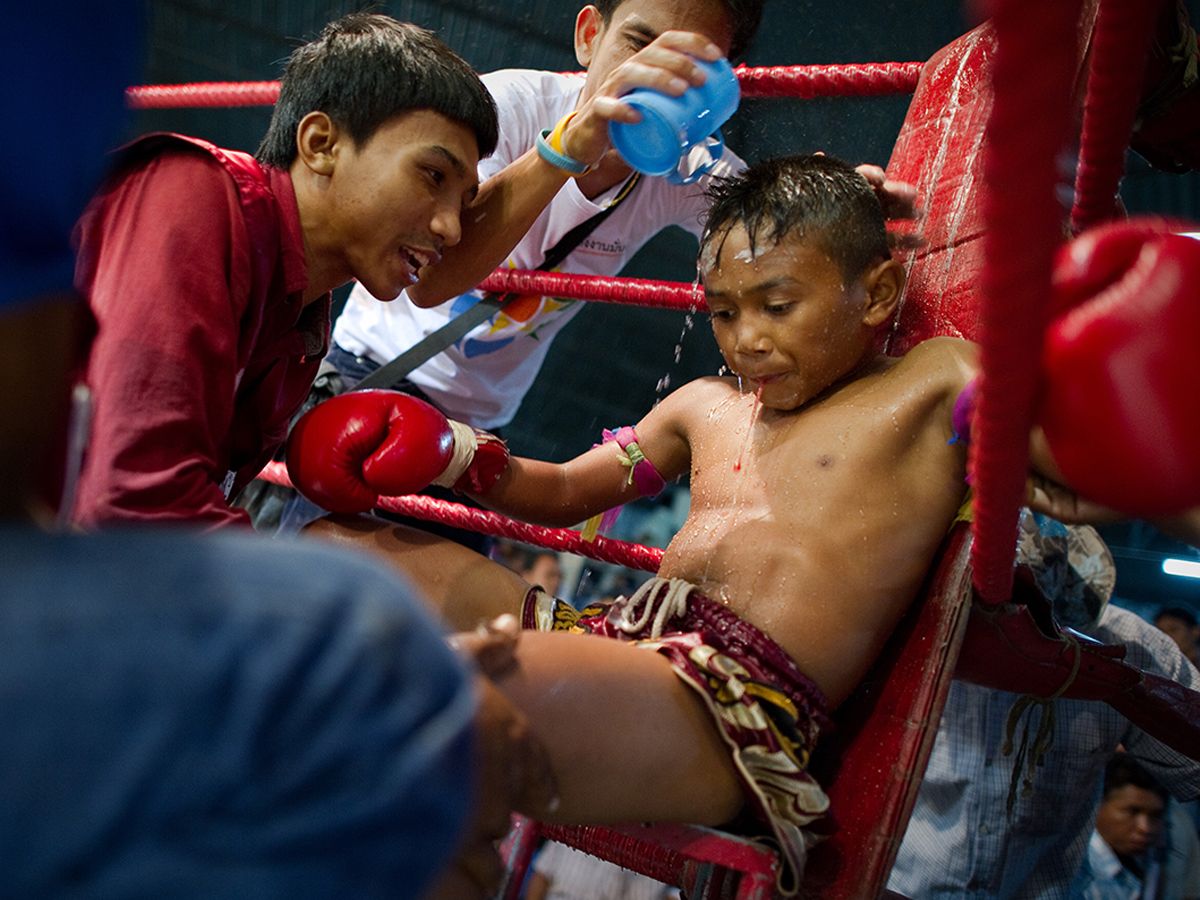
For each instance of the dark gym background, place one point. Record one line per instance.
(607, 366)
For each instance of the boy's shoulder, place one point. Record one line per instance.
(953, 358)
(697, 398)
(706, 388)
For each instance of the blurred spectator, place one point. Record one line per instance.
(541, 568)
(1179, 625)
(1124, 859)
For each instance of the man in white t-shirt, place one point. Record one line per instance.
(482, 377)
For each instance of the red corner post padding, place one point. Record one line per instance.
(871, 765)
(938, 151)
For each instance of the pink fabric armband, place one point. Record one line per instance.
(642, 473)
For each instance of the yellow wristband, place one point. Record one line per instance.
(550, 148)
(554, 139)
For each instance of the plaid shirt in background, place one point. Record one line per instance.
(961, 842)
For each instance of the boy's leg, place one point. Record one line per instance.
(628, 741)
(465, 587)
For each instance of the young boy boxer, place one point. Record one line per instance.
(802, 523)
(823, 478)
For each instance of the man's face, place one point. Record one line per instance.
(783, 317)
(1183, 634)
(635, 23)
(395, 202)
(546, 572)
(1130, 819)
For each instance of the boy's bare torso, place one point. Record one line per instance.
(818, 525)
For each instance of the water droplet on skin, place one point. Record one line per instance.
(754, 413)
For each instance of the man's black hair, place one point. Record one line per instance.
(364, 69)
(1123, 769)
(814, 197)
(744, 16)
(1178, 612)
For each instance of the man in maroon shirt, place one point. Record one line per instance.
(209, 271)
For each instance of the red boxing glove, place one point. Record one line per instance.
(1121, 370)
(346, 452)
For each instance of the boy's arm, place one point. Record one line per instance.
(510, 201)
(1047, 496)
(563, 494)
(346, 452)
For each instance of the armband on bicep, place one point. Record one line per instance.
(964, 412)
(642, 473)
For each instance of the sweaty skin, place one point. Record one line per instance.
(823, 537)
(816, 516)
(846, 484)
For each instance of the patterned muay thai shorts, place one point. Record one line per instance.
(768, 711)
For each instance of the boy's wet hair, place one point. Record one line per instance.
(744, 15)
(363, 70)
(814, 197)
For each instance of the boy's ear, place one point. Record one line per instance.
(588, 25)
(884, 284)
(317, 140)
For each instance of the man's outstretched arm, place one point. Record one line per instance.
(510, 201)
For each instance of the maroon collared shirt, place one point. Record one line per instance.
(192, 259)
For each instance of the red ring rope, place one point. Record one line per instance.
(806, 82)
(608, 289)
(1121, 38)
(842, 80)
(1032, 77)
(430, 509)
(202, 94)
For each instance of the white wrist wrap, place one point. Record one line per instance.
(465, 444)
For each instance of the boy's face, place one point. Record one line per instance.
(394, 203)
(635, 23)
(783, 317)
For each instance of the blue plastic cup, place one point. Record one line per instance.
(673, 127)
